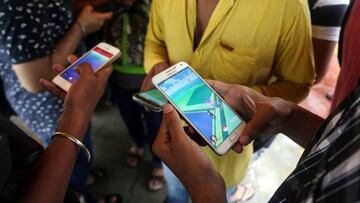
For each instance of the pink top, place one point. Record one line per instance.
(350, 71)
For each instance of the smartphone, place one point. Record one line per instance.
(100, 56)
(200, 106)
(151, 99)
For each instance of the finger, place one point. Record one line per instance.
(245, 107)
(238, 148)
(58, 68)
(53, 89)
(72, 59)
(103, 16)
(104, 74)
(257, 124)
(173, 122)
(161, 140)
(145, 84)
(221, 88)
(84, 69)
(196, 137)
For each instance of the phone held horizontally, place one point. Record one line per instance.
(151, 100)
(100, 56)
(200, 106)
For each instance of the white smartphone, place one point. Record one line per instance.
(100, 56)
(200, 106)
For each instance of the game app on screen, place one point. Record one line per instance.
(201, 106)
(154, 96)
(96, 57)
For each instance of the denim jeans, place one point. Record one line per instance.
(176, 192)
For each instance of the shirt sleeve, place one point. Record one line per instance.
(155, 48)
(326, 18)
(24, 31)
(294, 63)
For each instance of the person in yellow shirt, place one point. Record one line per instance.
(262, 44)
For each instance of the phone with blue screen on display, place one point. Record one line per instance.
(200, 106)
(100, 56)
(152, 100)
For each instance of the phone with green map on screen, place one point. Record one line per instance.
(152, 100)
(200, 106)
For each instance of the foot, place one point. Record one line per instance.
(96, 174)
(243, 193)
(157, 180)
(114, 198)
(135, 155)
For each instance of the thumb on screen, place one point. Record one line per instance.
(83, 69)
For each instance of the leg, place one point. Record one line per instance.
(134, 122)
(131, 114)
(176, 193)
(153, 121)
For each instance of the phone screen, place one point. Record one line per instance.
(96, 57)
(154, 96)
(201, 106)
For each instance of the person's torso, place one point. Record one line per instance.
(329, 169)
(126, 30)
(239, 44)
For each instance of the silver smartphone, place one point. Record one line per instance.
(152, 100)
(200, 106)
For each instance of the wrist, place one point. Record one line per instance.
(74, 122)
(81, 27)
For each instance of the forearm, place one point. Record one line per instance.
(301, 125)
(51, 175)
(66, 45)
(207, 187)
(285, 90)
(210, 192)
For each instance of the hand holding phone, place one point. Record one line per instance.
(200, 106)
(100, 56)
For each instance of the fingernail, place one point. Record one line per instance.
(168, 108)
(249, 101)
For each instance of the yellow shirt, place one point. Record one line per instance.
(246, 42)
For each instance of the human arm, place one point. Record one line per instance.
(266, 115)
(53, 169)
(29, 71)
(187, 160)
(293, 62)
(323, 51)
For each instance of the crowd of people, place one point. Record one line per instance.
(266, 54)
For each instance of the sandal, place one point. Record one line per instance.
(243, 193)
(154, 178)
(157, 180)
(134, 157)
(112, 198)
(96, 174)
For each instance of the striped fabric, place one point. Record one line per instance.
(326, 18)
(329, 170)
